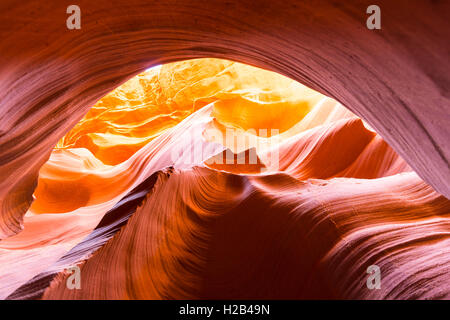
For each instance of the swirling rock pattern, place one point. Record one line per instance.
(221, 235)
(394, 79)
(80, 182)
(339, 199)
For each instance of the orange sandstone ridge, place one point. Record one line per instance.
(210, 179)
(394, 78)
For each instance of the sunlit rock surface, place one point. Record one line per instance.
(395, 78)
(150, 196)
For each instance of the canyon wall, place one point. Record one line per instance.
(395, 78)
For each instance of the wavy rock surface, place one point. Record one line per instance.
(48, 236)
(396, 79)
(68, 200)
(140, 195)
(230, 236)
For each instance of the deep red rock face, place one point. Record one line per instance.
(359, 182)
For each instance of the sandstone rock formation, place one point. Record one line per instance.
(381, 194)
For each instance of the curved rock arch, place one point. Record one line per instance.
(394, 78)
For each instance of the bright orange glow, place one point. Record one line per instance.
(207, 160)
(146, 106)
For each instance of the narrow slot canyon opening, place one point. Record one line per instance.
(252, 113)
(260, 187)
